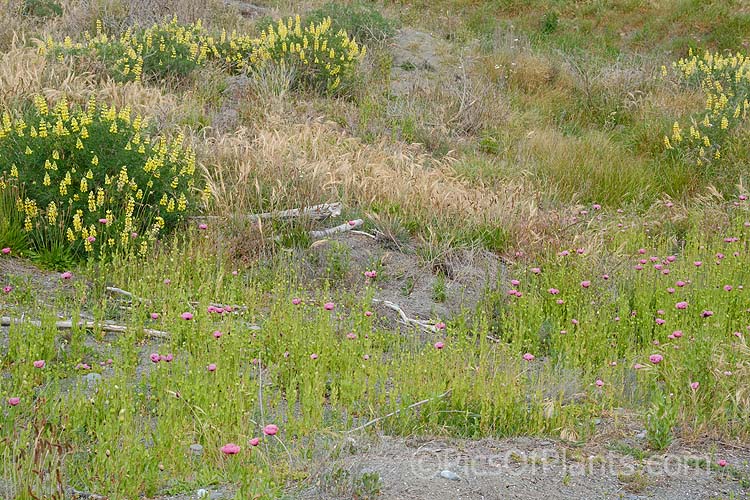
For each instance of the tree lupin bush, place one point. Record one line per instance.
(94, 177)
(725, 81)
(325, 58)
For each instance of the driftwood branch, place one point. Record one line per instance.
(406, 320)
(414, 405)
(89, 325)
(316, 212)
(342, 228)
(365, 233)
(119, 291)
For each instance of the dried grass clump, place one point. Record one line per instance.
(298, 165)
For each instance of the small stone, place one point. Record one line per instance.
(196, 449)
(92, 378)
(641, 435)
(201, 493)
(452, 476)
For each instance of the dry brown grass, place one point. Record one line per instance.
(294, 165)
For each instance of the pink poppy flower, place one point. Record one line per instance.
(83, 366)
(680, 283)
(328, 306)
(440, 325)
(366, 357)
(515, 282)
(211, 367)
(39, 363)
(658, 267)
(677, 334)
(596, 206)
(66, 275)
(727, 288)
(439, 345)
(351, 335)
(599, 382)
(642, 251)
(697, 263)
(638, 366)
(217, 334)
(167, 357)
(563, 332)
(7, 289)
(103, 221)
(638, 267)
(254, 441)
(187, 316)
(574, 321)
(660, 321)
(670, 290)
(694, 385)
(536, 270)
(671, 258)
(155, 358)
(528, 356)
(230, 449)
(707, 314)
(270, 430)
(14, 401)
(167, 281)
(722, 463)
(202, 227)
(681, 305)
(564, 253)
(656, 358)
(560, 302)
(6, 251)
(91, 239)
(368, 313)
(154, 315)
(553, 291)
(313, 356)
(585, 284)
(605, 276)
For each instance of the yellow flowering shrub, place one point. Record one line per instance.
(725, 81)
(325, 58)
(94, 175)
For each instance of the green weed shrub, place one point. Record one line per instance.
(360, 20)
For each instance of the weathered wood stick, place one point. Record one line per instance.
(342, 228)
(89, 325)
(425, 325)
